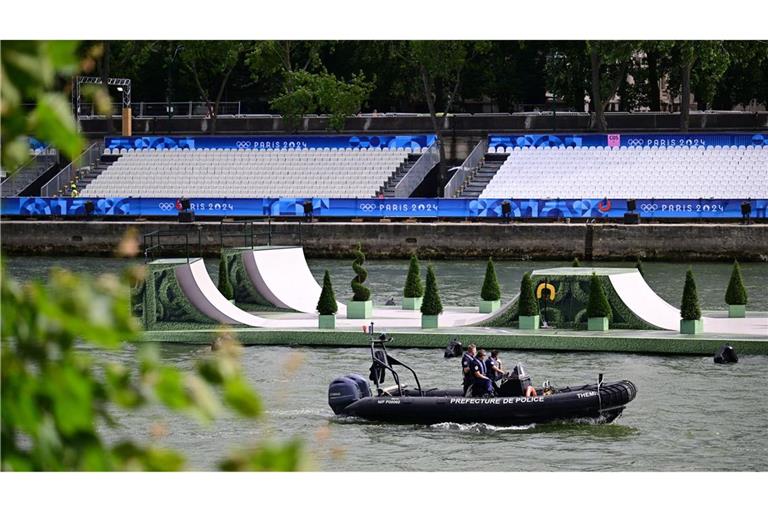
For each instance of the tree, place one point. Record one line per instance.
(707, 60)
(527, 304)
(361, 293)
(736, 294)
(598, 305)
(321, 93)
(689, 309)
(413, 285)
(746, 78)
(210, 64)
(326, 305)
(30, 70)
(490, 289)
(225, 287)
(57, 397)
(567, 70)
(441, 64)
(609, 63)
(431, 305)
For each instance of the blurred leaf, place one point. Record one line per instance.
(268, 457)
(241, 397)
(54, 123)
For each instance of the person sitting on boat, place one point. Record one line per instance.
(481, 385)
(493, 366)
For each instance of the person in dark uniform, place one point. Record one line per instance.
(481, 384)
(466, 364)
(493, 366)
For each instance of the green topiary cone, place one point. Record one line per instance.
(576, 262)
(689, 309)
(490, 289)
(736, 295)
(598, 305)
(431, 304)
(326, 305)
(413, 286)
(527, 304)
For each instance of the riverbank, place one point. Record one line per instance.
(433, 240)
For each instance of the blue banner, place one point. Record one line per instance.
(627, 140)
(385, 208)
(414, 142)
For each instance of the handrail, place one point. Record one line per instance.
(47, 157)
(56, 185)
(169, 233)
(418, 172)
(473, 162)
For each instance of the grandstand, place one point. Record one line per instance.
(545, 172)
(240, 173)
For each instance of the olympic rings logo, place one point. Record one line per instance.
(367, 207)
(167, 206)
(243, 144)
(635, 142)
(649, 207)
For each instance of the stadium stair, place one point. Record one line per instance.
(15, 184)
(389, 187)
(475, 185)
(88, 174)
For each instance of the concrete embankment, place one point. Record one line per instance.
(449, 240)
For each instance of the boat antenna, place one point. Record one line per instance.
(599, 400)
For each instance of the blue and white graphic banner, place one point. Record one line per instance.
(414, 142)
(627, 140)
(385, 208)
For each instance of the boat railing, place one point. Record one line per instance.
(376, 344)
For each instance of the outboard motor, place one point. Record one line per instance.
(726, 354)
(454, 349)
(347, 390)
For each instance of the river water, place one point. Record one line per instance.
(690, 414)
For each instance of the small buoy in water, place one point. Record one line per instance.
(454, 349)
(726, 354)
(390, 302)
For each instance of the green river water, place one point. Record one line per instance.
(690, 414)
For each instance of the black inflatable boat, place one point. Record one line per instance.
(351, 396)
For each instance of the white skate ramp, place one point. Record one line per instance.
(645, 303)
(203, 294)
(282, 276)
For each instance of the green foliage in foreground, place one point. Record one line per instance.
(58, 390)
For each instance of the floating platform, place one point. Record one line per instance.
(275, 293)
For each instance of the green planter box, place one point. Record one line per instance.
(412, 303)
(327, 322)
(429, 321)
(597, 323)
(489, 306)
(691, 326)
(529, 322)
(737, 311)
(360, 309)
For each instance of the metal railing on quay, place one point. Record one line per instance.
(470, 165)
(59, 183)
(418, 172)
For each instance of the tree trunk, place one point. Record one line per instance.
(441, 171)
(685, 95)
(654, 93)
(220, 94)
(598, 116)
(104, 83)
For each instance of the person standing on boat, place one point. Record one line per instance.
(493, 366)
(466, 366)
(481, 385)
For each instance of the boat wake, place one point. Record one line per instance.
(477, 428)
